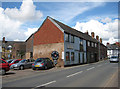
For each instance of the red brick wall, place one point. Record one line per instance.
(48, 34)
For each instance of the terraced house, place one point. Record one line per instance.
(68, 45)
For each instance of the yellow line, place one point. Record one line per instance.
(110, 80)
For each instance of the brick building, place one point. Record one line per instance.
(19, 50)
(73, 47)
(10, 48)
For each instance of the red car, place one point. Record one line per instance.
(14, 61)
(4, 67)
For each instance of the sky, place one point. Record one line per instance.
(18, 20)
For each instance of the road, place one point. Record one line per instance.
(100, 74)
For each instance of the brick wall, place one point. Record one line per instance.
(48, 33)
(17, 49)
(29, 46)
(45, 50)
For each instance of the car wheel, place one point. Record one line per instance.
(22, 67)
(46, 67)
(3, 71)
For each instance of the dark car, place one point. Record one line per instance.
(23, 64)
(42, 63)
(4, 66)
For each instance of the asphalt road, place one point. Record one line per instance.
(100, 74)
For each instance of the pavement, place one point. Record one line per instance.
(101, 74)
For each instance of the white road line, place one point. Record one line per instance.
(99, 65)
(90, 68)
(46, 84)
(74, 74)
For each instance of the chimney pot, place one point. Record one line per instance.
(97, 38)
(87, 32)
(92, 34)
(3, 39)
(100, 40)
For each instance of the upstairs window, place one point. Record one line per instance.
(92, 44)
(88, 43)
(95, 44)
(67, 37)
(72, 39)
(81, 44)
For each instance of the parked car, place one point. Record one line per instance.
(4, 66)
(9, 61)
(114, 59)
(42, 63)
(14, 61)
(23, 64)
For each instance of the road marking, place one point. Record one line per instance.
(74, 74)
(46, 84)
(113, 76)
(90, 68)
(99, 65)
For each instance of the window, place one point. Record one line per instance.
(95, 44)
(3, 61)
(16, 61)
(81, 45)
(72, 39)
(67, 37)
(72, 56)
(92, 44)
(67, 56)
(31, 54)
(88, 43)
(81, 42)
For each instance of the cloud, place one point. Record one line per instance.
(108, 32)
(30, 31)
(26, 12)
(11, 21)
(67, 11)
(106, 20)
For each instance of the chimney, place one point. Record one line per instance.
(100, 40)
(97, 38)
(87, 32)
(108, 43)
(4, 39)
(92, 34)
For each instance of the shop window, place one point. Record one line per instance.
(67, 37)
(67, 56)
(72, 56)
(72, 39)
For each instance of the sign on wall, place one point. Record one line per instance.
(55, 56)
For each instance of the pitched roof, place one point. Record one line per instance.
(112, 47)
(74, 31)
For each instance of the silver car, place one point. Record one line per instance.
(23, 64)
(114, 59)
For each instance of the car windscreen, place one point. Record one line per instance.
(9, 61)
(39, 60)
(12, 61)
(114, 57)
(22, 61)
